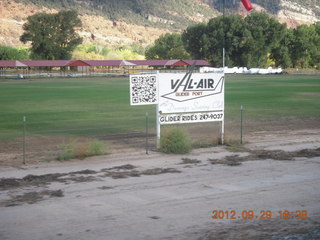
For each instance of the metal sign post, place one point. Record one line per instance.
(24, 139)
(158, 127)
(241, 123)
(147, 147)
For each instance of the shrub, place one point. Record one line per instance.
(66, 151)
(81, 150)
(175, 140)
(96, 148)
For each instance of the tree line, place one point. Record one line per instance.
(256, 40)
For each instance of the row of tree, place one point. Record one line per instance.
(257, 40)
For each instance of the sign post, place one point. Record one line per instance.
(24, 119)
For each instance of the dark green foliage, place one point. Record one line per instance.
(266, 34)
(253, 41)
(11, 53)
(168, 46)
(175, 140)
(195, 40)
(238, 40)
(281, 53)
(300, 47)
(306, 46)
(53, 36)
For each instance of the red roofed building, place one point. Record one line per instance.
(108, 66)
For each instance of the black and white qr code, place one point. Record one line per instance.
(143, 89)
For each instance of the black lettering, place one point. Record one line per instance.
(200, 84)
(189, 84)
(174, 84)
(210, 83)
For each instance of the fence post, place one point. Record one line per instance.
(241, 123)
(24, 139)
(158, 128)
(147, 133)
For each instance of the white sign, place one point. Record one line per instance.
(143, 89)
(191, 92)
(191, 117)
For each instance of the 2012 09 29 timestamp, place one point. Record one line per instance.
(259, 214)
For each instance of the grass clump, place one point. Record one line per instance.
(175, 140)
(66, 151)
(97, 148)
(81, 150)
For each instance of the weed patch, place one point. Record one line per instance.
(175, 140)
(81, 150)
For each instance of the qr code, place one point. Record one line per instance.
(143, 89)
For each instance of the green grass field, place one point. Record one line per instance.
(273, 96)
(101, 106)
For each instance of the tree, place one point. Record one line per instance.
(316, 43)
(52, 36)
(10, 53)
(281, 54)
(266, 34)
(302, 48)
(195, 40)
(168, 46)
(248, 41)
(305, 50)
(231, 32)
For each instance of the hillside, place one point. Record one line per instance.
(125, 22)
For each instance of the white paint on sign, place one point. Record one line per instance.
(191, 92)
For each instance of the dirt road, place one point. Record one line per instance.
(157, 196)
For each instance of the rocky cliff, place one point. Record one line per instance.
(137, 24)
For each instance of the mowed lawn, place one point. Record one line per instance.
(273, 96)
(101, 106)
